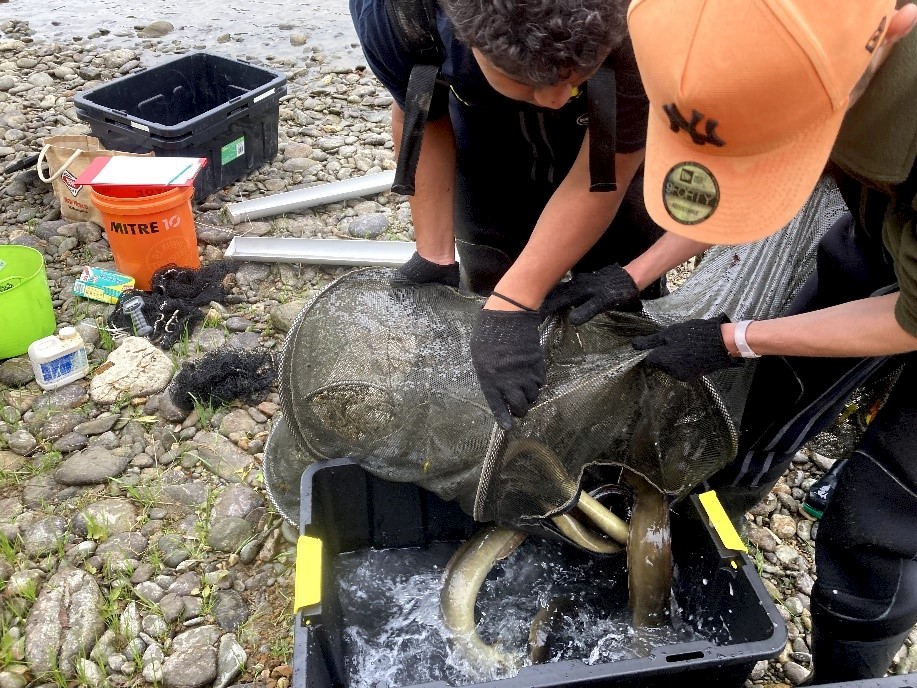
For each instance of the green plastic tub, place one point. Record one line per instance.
(26, 313)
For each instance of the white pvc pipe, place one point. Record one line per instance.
(319, 194)
(321, 251)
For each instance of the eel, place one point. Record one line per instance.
(574, 530)
(465, 573)
(649, 553)
(545, 624)
(547, 463)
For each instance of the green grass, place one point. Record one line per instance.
(200, 548)
(96, 530)
(211, 321)
(281, 647)
(29, 590)
(183, 346)
(154, 559)
(8, 650)
(105, 339)
(82, 677)
(7, 549)
(759, 559)
(112, 606)
(40, 464)
(205, 410)
(144, 495)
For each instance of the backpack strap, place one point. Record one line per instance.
(602, 93)
(414, 24)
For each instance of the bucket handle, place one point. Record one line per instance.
(41, 158)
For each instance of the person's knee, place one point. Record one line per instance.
(865, 554)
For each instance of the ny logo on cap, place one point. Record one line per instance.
(678, 122)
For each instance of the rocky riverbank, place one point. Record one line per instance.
(137, 543)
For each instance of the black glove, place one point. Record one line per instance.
(689, 349)
(610, 288)
(507, 355)
(419, 270)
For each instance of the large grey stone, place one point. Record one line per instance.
(283, 315)
(45, 536)
(16, 372)
(110, 516)
(10, 461)
(188, 494)
(97, 426)
(157, 29)
(237, 421)
(190, 668)
(173, 550)
(91, 466)
(231, 657)
(230, 610)
(229, 534)
(64, 622)
(235, 500)
(368, 226)
(222, 457)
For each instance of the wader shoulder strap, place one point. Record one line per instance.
(601, 93)
(414, 23)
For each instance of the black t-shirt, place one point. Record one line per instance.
(392, 66)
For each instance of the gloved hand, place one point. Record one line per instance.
(419, 270)
(688, 350)
(507, 355)
(610, 288)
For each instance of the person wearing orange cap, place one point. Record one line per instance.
(750, 103)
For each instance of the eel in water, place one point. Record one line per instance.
(649, 567)
(649, 553)
(545, 624)
(544, 462)
(465, 573)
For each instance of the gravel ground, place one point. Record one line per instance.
(137, 543)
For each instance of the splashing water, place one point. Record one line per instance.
(394, 634)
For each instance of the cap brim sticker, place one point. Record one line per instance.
(690, 193)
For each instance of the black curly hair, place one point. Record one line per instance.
(540, 42)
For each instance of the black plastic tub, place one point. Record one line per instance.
(905, 681)
(348, 509)
(196, 105)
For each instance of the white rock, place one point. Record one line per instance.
(138, 369)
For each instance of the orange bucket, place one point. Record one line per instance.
(148, 228)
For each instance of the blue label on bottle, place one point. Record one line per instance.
(63, 366)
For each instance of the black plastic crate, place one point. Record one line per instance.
(905, 681)
(349, 509)
(196, 105)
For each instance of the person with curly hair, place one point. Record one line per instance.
(504, 176)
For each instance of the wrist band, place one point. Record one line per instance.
(745, 351)
(515, 303)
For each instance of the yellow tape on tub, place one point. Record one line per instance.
(307, 590)
(721, 523)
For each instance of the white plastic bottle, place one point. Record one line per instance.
(59, 359)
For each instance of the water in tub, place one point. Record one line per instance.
(394, 635)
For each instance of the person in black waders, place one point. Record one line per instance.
(750, 103)
(532, 117)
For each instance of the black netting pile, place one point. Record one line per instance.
(173, 305)
(222, 376)
(378, 370)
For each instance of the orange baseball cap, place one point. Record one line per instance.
(746, 99)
